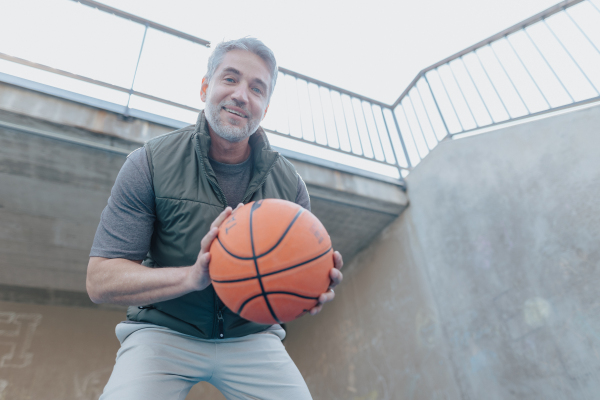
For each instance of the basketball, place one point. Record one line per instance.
(270, 261)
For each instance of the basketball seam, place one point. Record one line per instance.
(275, 272)
(262, 288)
(289, 293)
(254, 256)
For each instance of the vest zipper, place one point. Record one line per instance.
(219, 307)
(221, 329)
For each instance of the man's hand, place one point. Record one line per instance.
(336, 278)
(126, 282)
(199, 277)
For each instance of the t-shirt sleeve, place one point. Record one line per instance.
(127, 222)
(302, 197)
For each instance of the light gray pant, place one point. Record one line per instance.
(159, 363)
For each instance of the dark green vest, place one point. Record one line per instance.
(188, 199)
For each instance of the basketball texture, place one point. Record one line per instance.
(271, 261)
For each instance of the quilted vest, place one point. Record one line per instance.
(188, 199)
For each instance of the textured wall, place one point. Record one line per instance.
(61, 353)
(51, 196)
(486, 287)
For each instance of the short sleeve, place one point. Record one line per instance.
(127, 222)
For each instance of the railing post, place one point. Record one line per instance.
(436, 105)
(476, 88)
(571, 56)
(549, 66)
(527, 70)
(426, 113)
(400, 137)
(135, 72)
(387, 130)
(450, 100)
(509, 79)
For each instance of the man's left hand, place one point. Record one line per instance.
(336, 278)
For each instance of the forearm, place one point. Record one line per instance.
(125, 282)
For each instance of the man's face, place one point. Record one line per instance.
(237, 95)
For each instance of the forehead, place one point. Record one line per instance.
(248, 64)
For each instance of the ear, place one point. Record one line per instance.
(203, 88)
(266, 109)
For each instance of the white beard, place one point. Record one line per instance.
(231, 132)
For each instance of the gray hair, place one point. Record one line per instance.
(250, 44)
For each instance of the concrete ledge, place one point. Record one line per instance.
(59, 106)
(54, 297)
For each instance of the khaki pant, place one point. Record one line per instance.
(158, 363)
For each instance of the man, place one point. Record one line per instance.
(165, 208)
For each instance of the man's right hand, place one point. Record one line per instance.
(199, 276)
(126, 282)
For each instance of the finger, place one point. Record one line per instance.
(222, 217)
(336, 277)
(338, 261)
(326, 297)
(208, 239)
(204, 260)
(315, 310)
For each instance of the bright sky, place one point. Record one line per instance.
(374, 48)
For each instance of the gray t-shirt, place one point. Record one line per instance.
(127, 222)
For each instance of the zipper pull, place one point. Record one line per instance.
(221, 320)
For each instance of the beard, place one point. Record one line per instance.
(235, 130)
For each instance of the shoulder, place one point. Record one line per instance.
(170, 147)
(170, 137)
(285, 165)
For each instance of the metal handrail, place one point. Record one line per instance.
(57, 71)
(509, 76)
(332, 87)
(521, 25)
(143, 21)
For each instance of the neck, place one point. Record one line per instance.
(227, 152)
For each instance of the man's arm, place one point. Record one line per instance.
(126, 282)
(123, 236)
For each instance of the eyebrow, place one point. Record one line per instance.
(232, 70)
(257, 81)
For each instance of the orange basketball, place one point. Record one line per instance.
(271, 261)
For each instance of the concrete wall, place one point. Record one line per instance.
(50, 352)
(485, 288)
(51, 195)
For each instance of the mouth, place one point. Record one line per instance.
(235, 112)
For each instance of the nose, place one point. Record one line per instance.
(240, 94)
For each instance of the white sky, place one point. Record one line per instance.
(374, 48)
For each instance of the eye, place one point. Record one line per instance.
(230, 80)
(257, 90)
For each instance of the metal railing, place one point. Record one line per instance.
(549, 61)
(323, 115)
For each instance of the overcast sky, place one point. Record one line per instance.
(374, 48)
